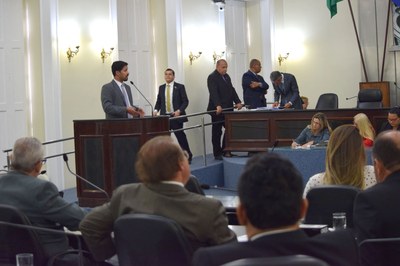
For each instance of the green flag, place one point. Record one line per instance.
(332, 6)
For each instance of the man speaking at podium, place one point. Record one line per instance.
(116, 96)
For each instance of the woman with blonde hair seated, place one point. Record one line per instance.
(316, 132)
(366, 129)
(344, 162)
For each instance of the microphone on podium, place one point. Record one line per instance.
(352, 97)
(144, 97)
(65, 157)
(276, 142)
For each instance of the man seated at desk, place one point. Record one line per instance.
(164, 169)
(270, 207)
(317, 132)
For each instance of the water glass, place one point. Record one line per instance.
(24, 259)
(339, 220)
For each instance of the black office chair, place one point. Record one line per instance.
(369, 98)
(144, 239)
(17, 235)
(325, 200)
(327, 101)
(383, 251)
(297, 260)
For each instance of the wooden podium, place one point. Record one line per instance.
(105, 153)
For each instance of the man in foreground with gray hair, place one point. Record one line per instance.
(38, 199)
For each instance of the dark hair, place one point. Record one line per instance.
(275, 75)
(254, 62)
(170, 69)
(270, 190)
(117, 66)
(395, 110)
(387, 149)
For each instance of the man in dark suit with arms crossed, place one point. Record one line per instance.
(174, 104)
(254, 86)
(270, 207)
(116, 96)
(377, 209)
(286, 93)
(222, 95)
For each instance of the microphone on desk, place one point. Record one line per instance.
(352, 97)
(276, 142)
(144, 97)
(65, 157)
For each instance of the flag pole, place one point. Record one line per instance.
(358, 41)
(386, 37)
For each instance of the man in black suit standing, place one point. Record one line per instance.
(254, 86)
(270, 207)
(222, 95)
(172, 100)
(286, 93)
(116, 96)
(377, 209)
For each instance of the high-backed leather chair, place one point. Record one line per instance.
(327, 101)
(17, 235)
(145, 239)
(297, 260)
(369, 98)
(325, 200)
(384, 250)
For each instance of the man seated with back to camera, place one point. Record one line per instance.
(270, 207)
(163, 168)
(38, 199)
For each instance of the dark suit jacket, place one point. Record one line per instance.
(202, 219)
(179, 100)
(377, 215)
(289, 93)
(40, 201)
(113, 100)
(254, 97)
(338, 248)
(221, 91)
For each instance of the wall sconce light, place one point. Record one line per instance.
(105, 54)
(218, 56)
(71, 53)
(282, 58)
(193, 57)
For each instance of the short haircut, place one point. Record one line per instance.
(270, 190)
(254, 62)
(395, 110)
(159, 160)
(304, 98)
(170, 69)
(275, 75)
(117, 66)
(387, 149)
(27, 152)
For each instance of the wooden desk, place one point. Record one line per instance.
(258, 130)
(105, 153)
